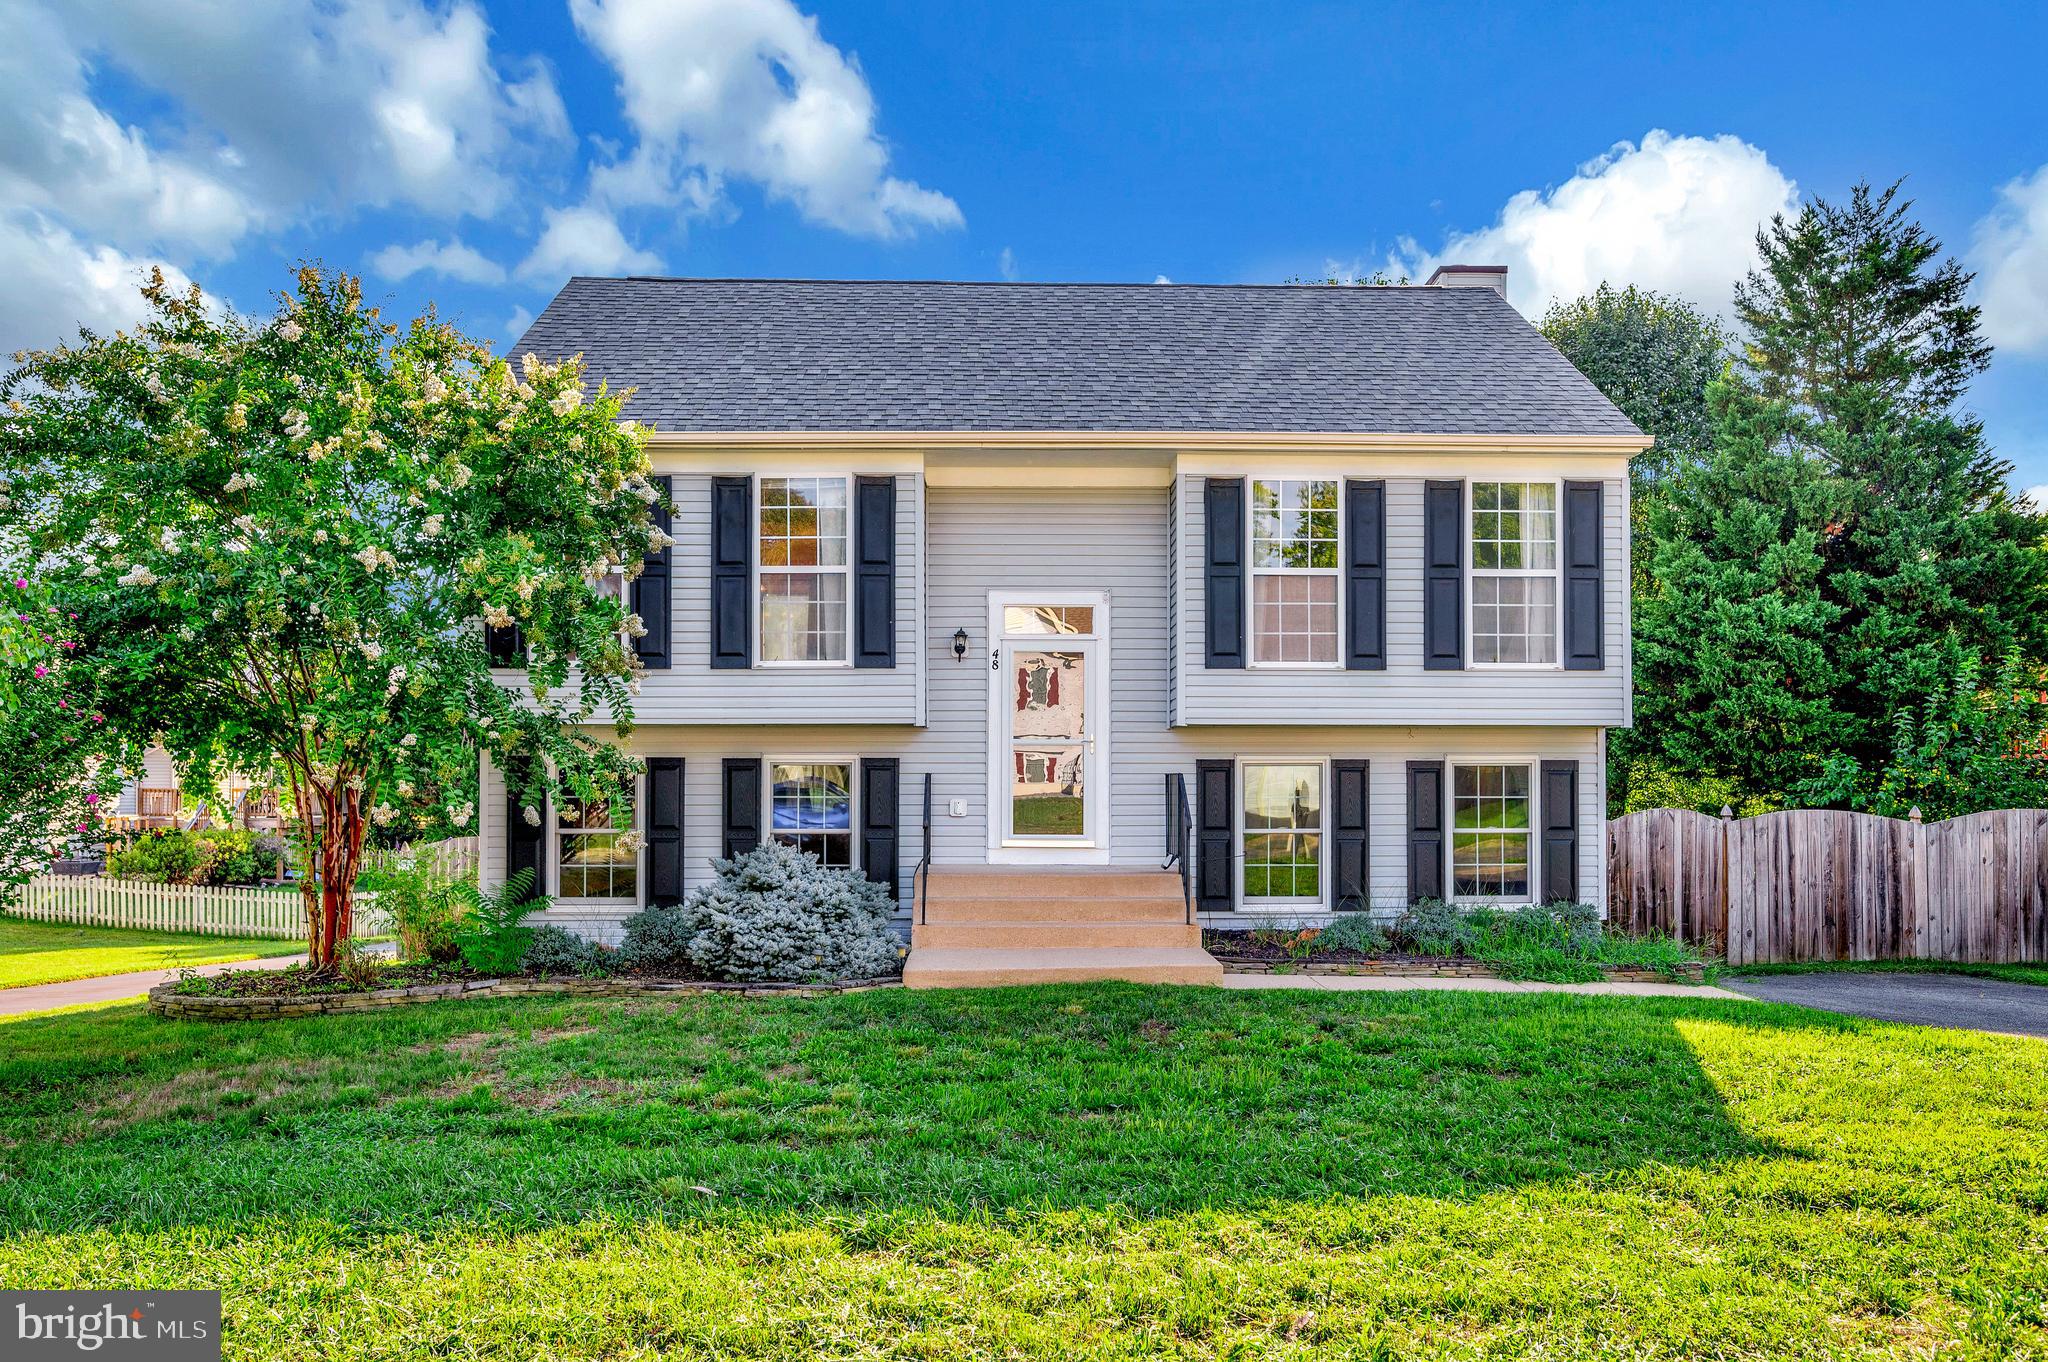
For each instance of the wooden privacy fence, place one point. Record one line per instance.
(1821, 884)
(99, 901)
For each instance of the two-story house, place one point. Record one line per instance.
(1342, 572)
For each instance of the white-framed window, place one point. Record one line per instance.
(803, 541)
(1493, 817)
(1280, 832)
(1295, 531)
(593, 858)
(1514, 574)
(811, 806)
(612, 586)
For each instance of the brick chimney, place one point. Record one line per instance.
(1494, 277)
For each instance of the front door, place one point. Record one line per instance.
(1049, 750)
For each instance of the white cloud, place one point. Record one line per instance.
(2010, 253)
(2039, 496)
(584, 240)
(517, 325)
(1678, 214)
(1006, 264)
(451, 259)
(53, 284)
(1161, 279)
(722, 90)
(336, 104)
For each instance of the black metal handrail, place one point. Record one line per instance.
(924, 862)
(1180, 833)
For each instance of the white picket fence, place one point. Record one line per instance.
(99, 901)
(455, 857)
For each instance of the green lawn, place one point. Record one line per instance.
(47, 952)
(1101, 1171)
(2017, 974)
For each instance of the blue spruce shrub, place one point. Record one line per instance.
(658, 939)
(775, 913)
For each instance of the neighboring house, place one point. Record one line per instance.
(1350, 562)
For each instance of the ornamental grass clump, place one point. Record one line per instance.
(772, 914)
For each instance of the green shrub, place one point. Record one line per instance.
(426, 908)
(1353, 932)
(553, 951)
(774, 913)
(1433, 927)
(492, 936)
(198, 856)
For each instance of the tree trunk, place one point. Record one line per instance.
(341, 856)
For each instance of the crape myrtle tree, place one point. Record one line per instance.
(282, 537)
(58, 757)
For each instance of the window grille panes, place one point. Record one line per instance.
(803, 557)
(1283, 831)
(810, 807)
(593, 864)
(1294, 570)
(1490, 832)
(1514, 572)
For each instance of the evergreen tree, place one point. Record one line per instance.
(1735, 678)
(1851, 321)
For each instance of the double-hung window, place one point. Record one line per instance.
(1283, 833)
(596, 859)
(1294, 571)
(1491, 818)
(810, 807)
(803, 570)
(1514, 573)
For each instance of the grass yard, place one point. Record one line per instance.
(1101, 1171)
(49, 952)
(2013, 974)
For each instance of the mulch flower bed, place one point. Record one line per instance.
(1244, 952)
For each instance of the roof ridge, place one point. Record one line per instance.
(995, 283)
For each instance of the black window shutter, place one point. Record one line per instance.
(1559, 796)
(1348, 790)
(650, 595)
(1223, 584)
(1425, 831)
(1585, 644)
(1365, 576)
(664, 831)
(1215, 821)
(879, 811)
(874, 572)
(732, 572)
(743, 800)
(507, 646)
(526, 846)
(1443, 576)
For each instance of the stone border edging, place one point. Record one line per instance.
(165, 1001)
(1401, 969)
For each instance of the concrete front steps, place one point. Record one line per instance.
(995, 925)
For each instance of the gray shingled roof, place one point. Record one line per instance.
(798, 355)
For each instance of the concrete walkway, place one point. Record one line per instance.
(1395, 983)
(114, 988)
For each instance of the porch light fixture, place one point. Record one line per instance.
(959, 645)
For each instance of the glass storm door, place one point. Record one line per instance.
(1049, 779)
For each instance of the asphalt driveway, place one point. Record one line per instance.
(1955, 1000)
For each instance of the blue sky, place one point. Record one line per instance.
(476, 154)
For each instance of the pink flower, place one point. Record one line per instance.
(21, 583)
(92, 799)
(63, 704)
(42, 671)
(81, 827)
